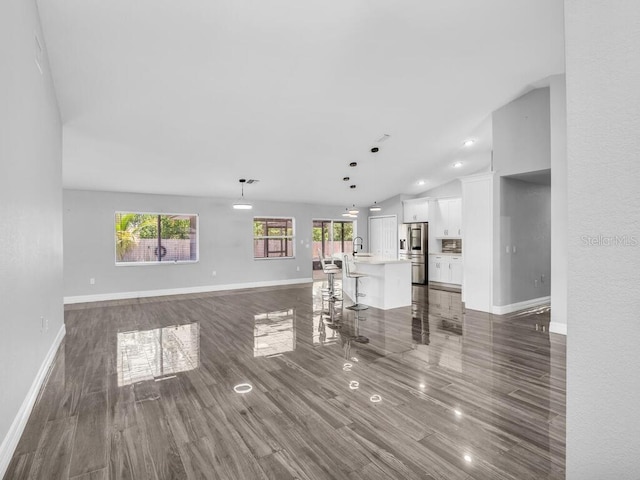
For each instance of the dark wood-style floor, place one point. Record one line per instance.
(144, 389)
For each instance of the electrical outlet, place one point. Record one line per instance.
(92, 281)
(535, 282)
(507, 249)
(542, 279)
(214, 273)
(514, 249)
(298, 268)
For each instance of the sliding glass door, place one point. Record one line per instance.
(332, 238)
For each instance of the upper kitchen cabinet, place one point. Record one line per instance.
(449, 218)
(415, 210)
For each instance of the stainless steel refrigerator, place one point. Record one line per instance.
(413, 246)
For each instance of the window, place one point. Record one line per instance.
(143, 238)
(273, 238)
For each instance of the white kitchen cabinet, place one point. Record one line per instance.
(449, 218)
(437, 267)
(455, 217)
(434, 269)
(455, 270)
(415, 210)
(445, 269)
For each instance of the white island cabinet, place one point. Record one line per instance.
(387, 283)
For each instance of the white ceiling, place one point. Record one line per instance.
(188, 96)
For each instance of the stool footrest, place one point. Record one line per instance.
(358, 306)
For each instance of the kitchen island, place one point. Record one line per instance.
(387, 284)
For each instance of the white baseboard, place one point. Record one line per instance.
(514, 307)
(12, 438)
(556, 327)
(101, 297)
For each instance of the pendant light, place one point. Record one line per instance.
(375, 207)
(347, 213)
(242, 204)
(353, 210)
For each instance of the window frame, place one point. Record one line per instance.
(267, 237)
(156, 262)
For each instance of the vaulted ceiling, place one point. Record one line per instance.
(188, 96)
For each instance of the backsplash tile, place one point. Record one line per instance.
(453, 245)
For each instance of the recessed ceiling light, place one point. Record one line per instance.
(457, 164)
(352, 186)
(374, 149)
(345, 179)
(353, 164)
(468, 142)
(467, 458)
(420, 182)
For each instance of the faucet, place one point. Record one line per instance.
(356, 245)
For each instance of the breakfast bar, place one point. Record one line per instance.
(386, 284)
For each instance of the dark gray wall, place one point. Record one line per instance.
(30, 208)
(225, 237)
(526, 224)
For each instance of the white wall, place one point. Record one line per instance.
(603, 148)
(521, 134)
(226, 244)
(521, 144)
(559, 211)
(31, 212)
(450, 189)
(477, 230)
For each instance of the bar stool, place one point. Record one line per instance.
(330, 270)
(350, 271)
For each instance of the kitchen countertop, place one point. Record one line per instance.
(378, 260)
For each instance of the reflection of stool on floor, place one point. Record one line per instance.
(330, 270)
(350, 271)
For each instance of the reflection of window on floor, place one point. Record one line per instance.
(274, 333)
(148, 354)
